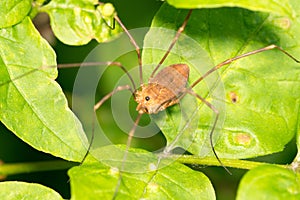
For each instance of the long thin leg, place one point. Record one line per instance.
(137, 48)
(228, 61)
(178, 136)
(179, 31)
(96, 107)
(133, 42)
(131, 132)
(130, 136)
(89, 64)
(213, 127)
(71, 65)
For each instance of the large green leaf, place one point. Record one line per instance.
(76, 22)
(32, 105)
(257, 97)
(269, 182)
(13, 12)
(20, 190)
(172, 181)
(282, 8)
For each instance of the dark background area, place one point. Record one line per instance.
(13, 150)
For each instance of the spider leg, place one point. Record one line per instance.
(130, 136)
(91, 64)
(230, 60)
(137, 48)
(178, 33)
(215, 110)
(96, 107)
(129, 139)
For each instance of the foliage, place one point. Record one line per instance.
(261, 121)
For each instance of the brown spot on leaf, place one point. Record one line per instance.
(243, 139)
(233, 96)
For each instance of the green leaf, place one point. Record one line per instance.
(282, 8)
(269, 182)
(32, 105)
(21, 190)
(76, 22)
(13, 12)
(266, 86)
(171, 181)
(295, 165)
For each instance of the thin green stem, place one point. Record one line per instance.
(29, 167)
(212, 161)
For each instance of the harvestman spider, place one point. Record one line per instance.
(167, 87)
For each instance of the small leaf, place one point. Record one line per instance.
(76, 22)
(269, 182)
(32, 105)
(282, 8)
(266, 88)
(172, 181)
(13, 12)
(21, 190)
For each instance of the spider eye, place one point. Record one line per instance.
(147, 98)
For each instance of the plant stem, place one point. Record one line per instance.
(29, 167)
(212, 161)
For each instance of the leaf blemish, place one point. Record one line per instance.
(283, 22)
(153, 187)
(77, 10)
(114, 171)
(243, 139)
(88, 20)
(152, 167)
(233, 96)
(295, 166)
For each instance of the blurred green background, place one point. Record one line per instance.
(13, 150)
